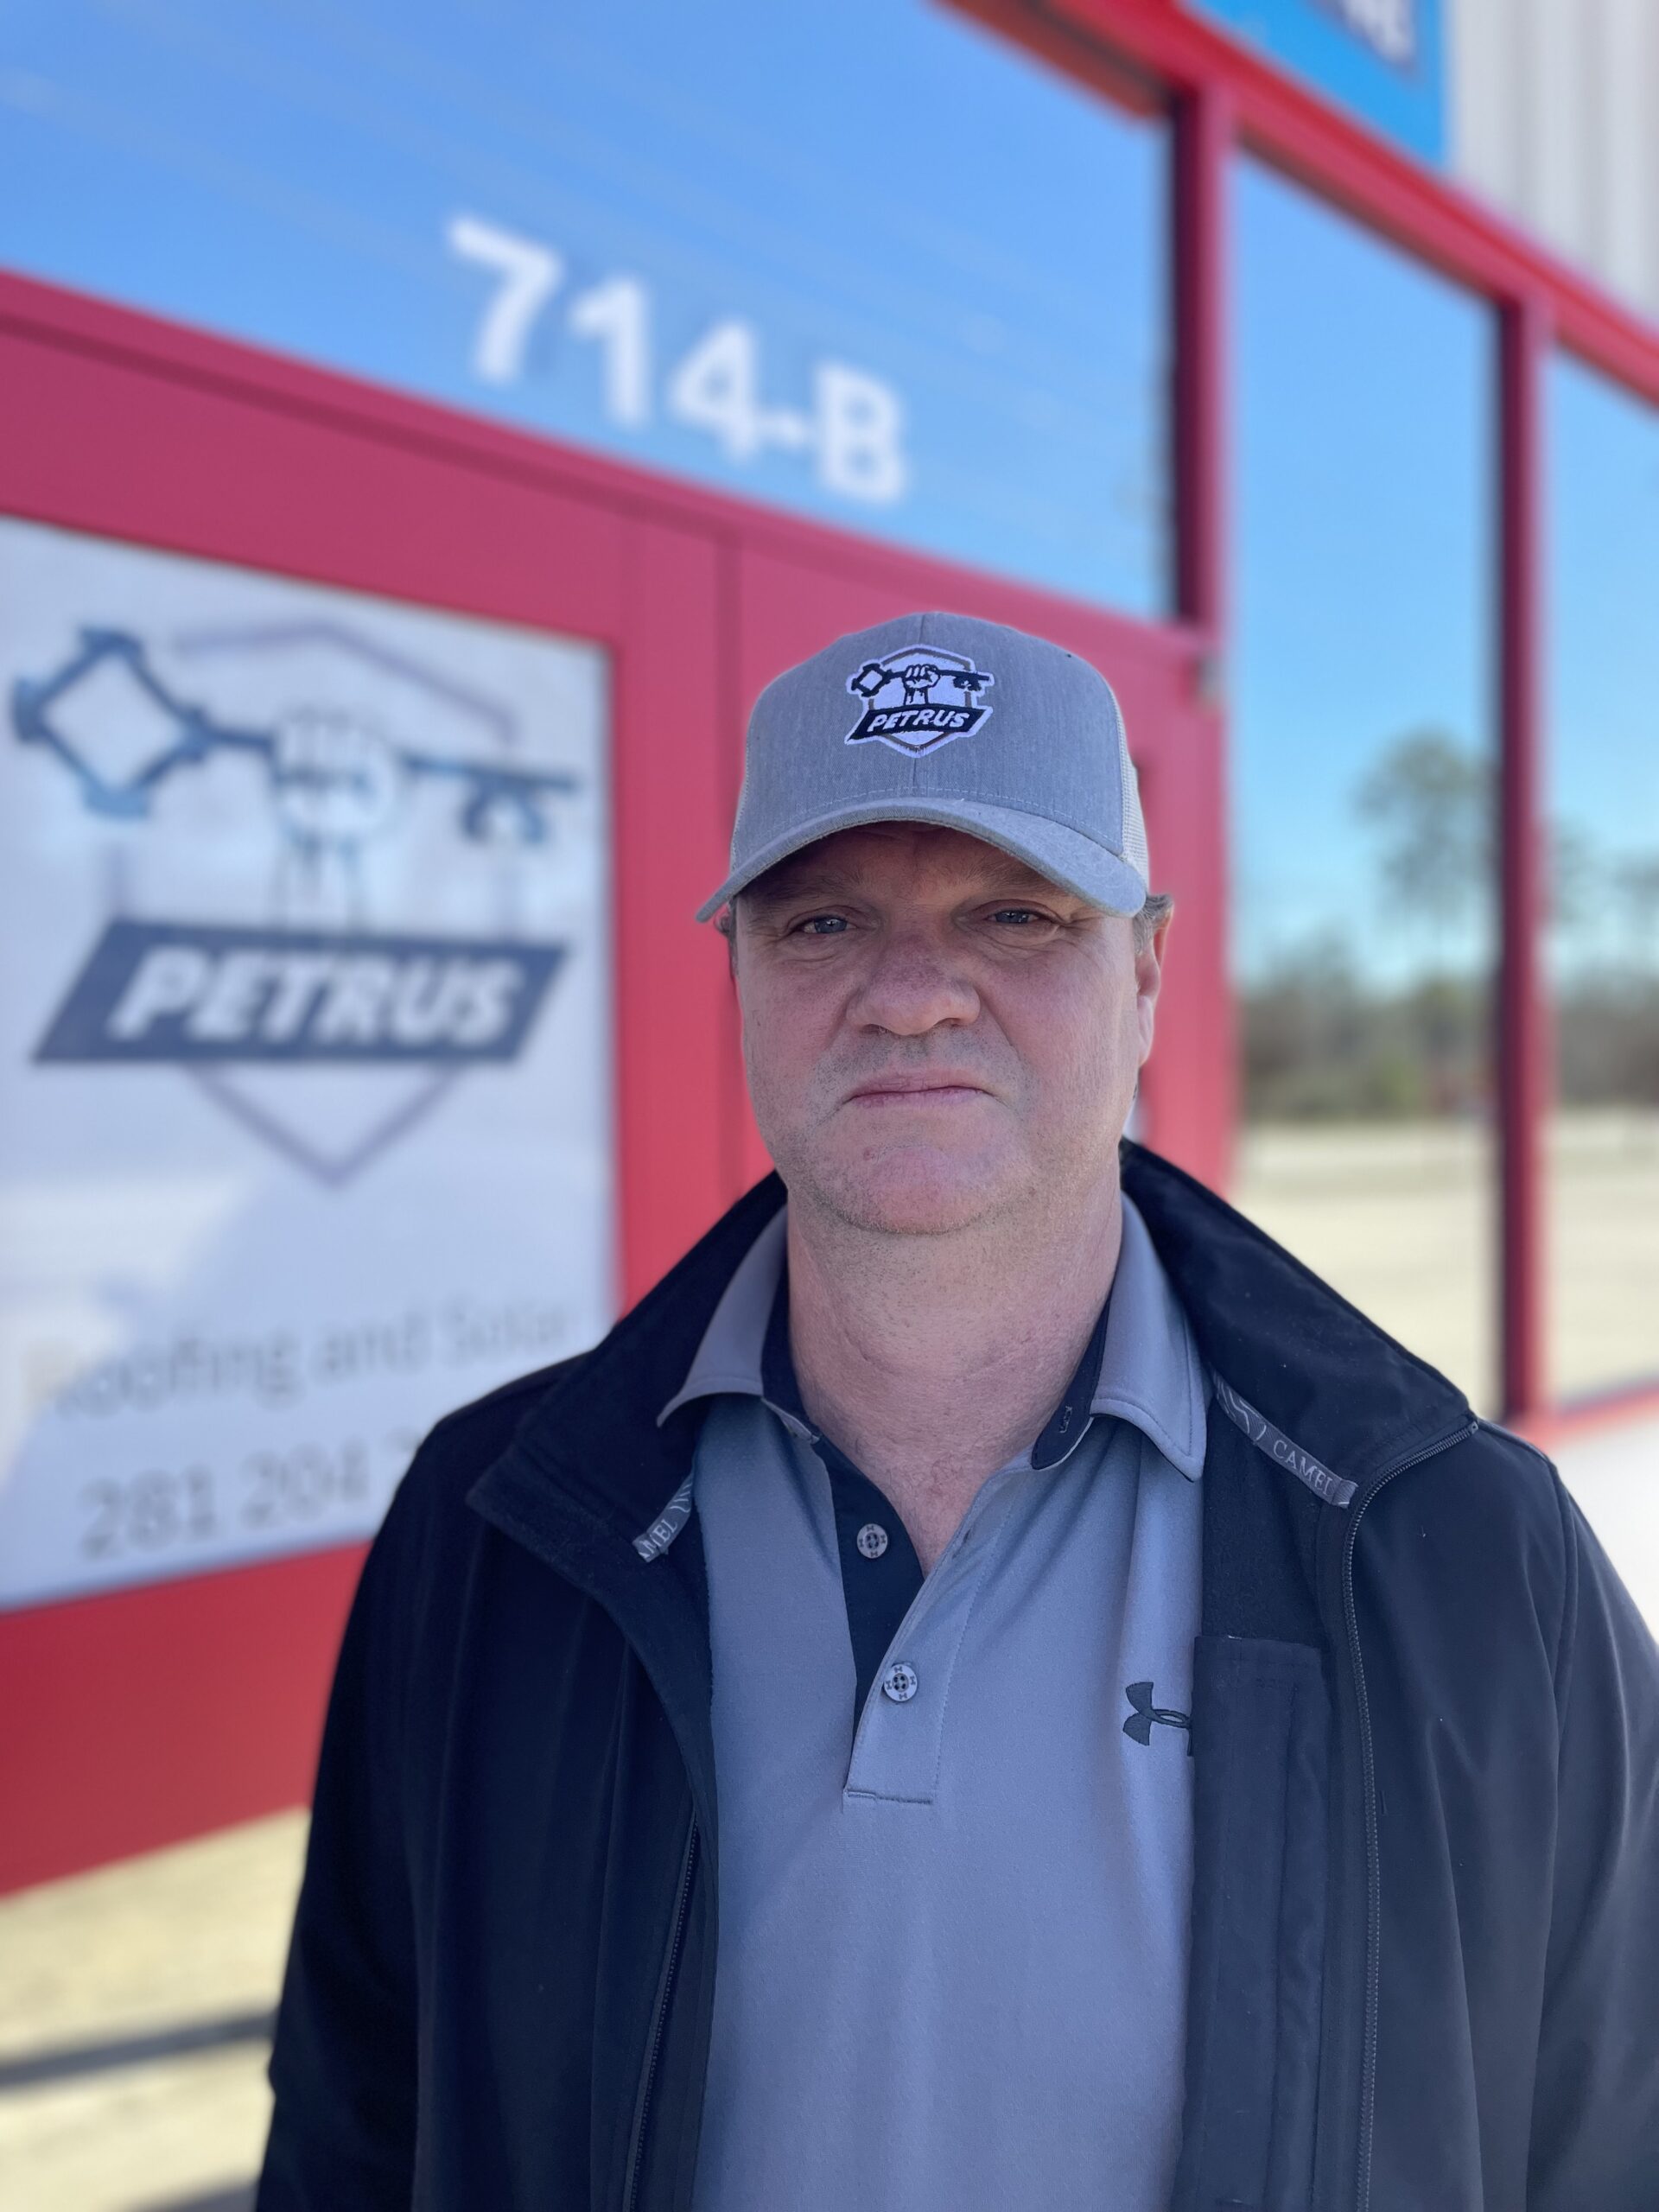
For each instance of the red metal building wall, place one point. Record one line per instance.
(129, 1720)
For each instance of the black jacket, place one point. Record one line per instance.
(1425, 1956)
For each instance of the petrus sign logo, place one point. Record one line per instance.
(318, 985)
(173, 991)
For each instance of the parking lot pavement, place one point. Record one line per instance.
(135, 2013)
(1401, 1216)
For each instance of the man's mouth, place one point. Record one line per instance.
(938, 1090)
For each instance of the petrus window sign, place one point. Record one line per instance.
(304, 1046)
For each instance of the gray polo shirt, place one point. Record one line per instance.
(953, 1923)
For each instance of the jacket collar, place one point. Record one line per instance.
(1327, 1377)
(1316, 1368)
(594, 1436)
(590, 1467)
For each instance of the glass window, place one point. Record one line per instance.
(869, 261)
(1362, 772)
(1603, 960)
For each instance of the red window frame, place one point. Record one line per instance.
(1223, 98)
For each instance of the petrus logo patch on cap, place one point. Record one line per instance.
(1044, 771)
(911, 706)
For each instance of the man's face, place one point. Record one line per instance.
(934, 1034)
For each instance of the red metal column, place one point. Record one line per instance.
(1204, 132)
(1524, 1024)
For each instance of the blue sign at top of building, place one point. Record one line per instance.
(1380, 59)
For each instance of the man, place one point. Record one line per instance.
(992, 1687)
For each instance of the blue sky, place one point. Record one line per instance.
(884, 193)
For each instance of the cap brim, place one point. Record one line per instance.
(1076, 863)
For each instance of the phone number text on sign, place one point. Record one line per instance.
(852, 430)
(306, 1486)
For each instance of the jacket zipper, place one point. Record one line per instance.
(1373, 1834)
(659, 2018)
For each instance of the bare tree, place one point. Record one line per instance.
(1430, 800)
(1637, 886)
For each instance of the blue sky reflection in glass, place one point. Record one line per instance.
(1365, 545)
(871, 263)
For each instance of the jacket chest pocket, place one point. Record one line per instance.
(1261, 1722)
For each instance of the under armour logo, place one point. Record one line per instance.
(1145, 1714)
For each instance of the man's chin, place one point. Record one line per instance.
(913, 1195)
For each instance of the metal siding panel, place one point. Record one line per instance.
(1483, 141)
(1551, 102)
(1623, 150)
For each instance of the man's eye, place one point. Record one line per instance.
(1018, 914)
(821, 926)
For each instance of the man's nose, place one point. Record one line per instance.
(914, 982)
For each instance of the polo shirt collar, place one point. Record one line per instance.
(729, 1356)
(1140, 1364)
(1150, 1372)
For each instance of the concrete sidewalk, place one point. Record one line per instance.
(104, 2105)
(1614, 1475)
(135, 2001)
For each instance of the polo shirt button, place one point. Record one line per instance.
(872, 1540)
(899, 1683)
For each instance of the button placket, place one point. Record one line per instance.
(897, 1745)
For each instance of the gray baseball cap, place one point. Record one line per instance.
(943, 718)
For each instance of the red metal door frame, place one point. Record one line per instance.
(132, 1719)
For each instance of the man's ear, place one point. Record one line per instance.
(1148, 981)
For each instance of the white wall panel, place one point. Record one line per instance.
(1553, 109)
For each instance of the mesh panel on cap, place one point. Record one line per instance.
(1135, 828)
